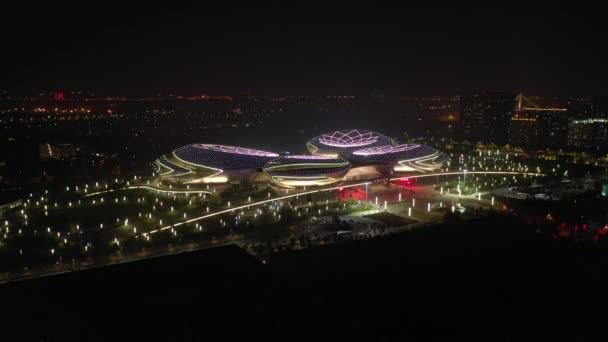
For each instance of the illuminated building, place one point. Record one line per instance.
(588, 107)
(57, 152)
(204, 163)
(524, 130)
(588, 133)
(417, 158)
(554, 126)
(533, 125)
(336, 156)
(486, 116)
(367, 148)
(306, 170)
(340, 143)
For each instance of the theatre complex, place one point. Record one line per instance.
(337, 156)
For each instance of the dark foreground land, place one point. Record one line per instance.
(492, 278)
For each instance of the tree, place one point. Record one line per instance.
(265, 217)
(246, 184)
(287, 215)
(271, 191)
(231, 191)
(351, 202)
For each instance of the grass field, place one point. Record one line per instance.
(391, 220)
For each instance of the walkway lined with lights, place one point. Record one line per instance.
(150, 188)
(469, 173)
(330, 189)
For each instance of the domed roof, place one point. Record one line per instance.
(337, 142)
(393, 153)
(223, 157)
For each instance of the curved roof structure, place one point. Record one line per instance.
(385, 150)
(165, 167)
(330, 160)
(306, 170)
(205, 163)
(407, 157)
(337, 143)
(223, 157)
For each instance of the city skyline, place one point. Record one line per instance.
(182, 171)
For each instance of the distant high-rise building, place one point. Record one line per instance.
(555, 126)
(524, 129)
(590, 133)
(486, 116)
(581, 108)
(552, 125)
(536, 126)
(58, 152)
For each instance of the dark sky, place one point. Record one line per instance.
(299, 48)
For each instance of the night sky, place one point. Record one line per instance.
(281, 48)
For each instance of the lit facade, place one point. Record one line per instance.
(539, 127)
(339, 143)
(588, 133)
(306, 170)
(524, 130)
(58, 152)
(206, 163)
(335, 156)
(411, 158)
(486, 116)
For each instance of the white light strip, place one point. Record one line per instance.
(470, 173)
(330, 189)
(161, 166)
(172, 170)
(198, 165)
(150, 188)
